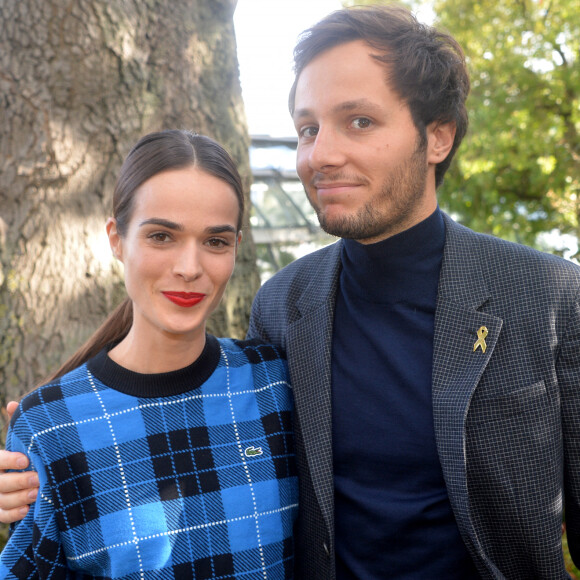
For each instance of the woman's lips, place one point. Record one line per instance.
(184, 299)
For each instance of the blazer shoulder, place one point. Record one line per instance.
(508, 260)
(321, 264)
(302, 285)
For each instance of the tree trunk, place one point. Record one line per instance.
(80, 82)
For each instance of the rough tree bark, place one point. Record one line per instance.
(80, 81)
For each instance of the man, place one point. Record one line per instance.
(435, 370)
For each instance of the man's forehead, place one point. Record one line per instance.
(335, 69)
(363, 104)
(350, 59)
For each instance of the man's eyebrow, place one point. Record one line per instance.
(361, 104)
(162, 222)
(364, 105)
(301, 114)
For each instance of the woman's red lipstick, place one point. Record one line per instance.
(184, 299)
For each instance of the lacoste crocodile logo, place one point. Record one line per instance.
(253, 451)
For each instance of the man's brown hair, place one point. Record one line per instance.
(424, 66)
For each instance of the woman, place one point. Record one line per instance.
(162, 451)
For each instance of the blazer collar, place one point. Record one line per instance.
(323, 282)
(461, 280)
(308, 345)
(457, 365)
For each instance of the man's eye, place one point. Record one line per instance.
(308, 132)
(362, 123)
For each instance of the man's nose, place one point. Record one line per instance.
(327, 150)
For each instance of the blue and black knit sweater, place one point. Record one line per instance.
(187, 474)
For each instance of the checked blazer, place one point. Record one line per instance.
(507, 420)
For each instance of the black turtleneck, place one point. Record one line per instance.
(392, 512)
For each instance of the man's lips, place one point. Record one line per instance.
(334, 188)
(184, 299)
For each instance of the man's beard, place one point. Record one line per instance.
(383, 215)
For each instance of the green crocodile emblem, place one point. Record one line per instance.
(253, 451)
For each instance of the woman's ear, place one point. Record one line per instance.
(115, 240)
(238, 241)
(440, 137)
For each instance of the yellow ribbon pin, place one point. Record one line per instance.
(481, 334)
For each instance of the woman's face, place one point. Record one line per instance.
(179, 250)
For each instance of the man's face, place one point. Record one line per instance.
(364, 167)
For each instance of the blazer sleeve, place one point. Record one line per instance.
(568, 372)
(256, 327)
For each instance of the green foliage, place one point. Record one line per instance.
(4, 528)
(518, 171)
(517, 174)
(570, 568)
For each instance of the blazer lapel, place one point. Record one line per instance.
(309, 343)
(457, 367)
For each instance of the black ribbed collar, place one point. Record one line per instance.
(159, 384)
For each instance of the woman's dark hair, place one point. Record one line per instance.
(424, 66)
(153, 154)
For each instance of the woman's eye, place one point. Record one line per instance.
(159, 237)
(362, 123)
(217, 243)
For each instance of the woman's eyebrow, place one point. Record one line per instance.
(221, 229)
(218, 229)
(162, 222)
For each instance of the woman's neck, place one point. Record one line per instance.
(149, 352)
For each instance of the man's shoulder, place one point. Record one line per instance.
(503, 257)
(321, 263)
(303, 284)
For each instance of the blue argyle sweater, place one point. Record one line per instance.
(187, 474)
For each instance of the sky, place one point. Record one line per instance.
(266, 32)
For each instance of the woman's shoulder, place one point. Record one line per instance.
(254, 350)
(53, 394)
(264, 360)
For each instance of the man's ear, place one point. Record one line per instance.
(440, 138)
(115, 240)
